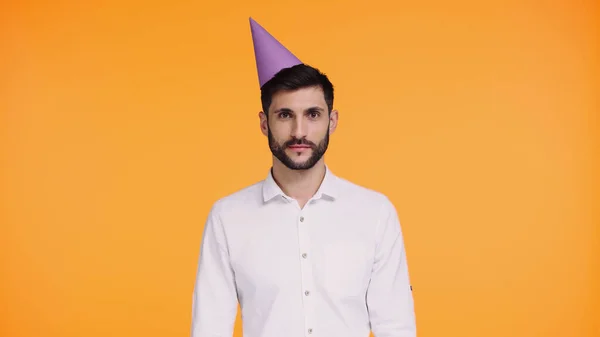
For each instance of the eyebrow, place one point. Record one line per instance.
(311, 109)
(315, 108)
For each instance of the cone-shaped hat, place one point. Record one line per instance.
(271, 56)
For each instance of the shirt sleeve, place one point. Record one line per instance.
(214, 300)
(389, 295)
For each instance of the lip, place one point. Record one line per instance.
(299, 147)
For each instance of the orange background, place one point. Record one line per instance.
(121, 124)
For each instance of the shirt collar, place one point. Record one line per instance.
(328, 187)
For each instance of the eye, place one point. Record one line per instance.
(313, 114)
(284, 115)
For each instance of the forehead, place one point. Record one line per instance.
(300, 99)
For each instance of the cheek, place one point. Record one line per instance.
(319, 131)
(279, 133)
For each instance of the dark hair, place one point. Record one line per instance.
(293, 78)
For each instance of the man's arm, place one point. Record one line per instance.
(214, 302)
(389, 296)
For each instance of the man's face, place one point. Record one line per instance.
(298, 127)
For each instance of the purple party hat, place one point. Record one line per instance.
(271, 56)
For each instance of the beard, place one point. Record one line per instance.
(278, 150)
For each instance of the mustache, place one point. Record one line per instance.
(295, 141)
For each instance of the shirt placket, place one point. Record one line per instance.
(307, 273)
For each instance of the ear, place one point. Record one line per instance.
(264, 127)
(333, 121)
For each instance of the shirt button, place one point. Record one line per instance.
(309, 330)
(301, 219)
(304, 255)
(307, 293)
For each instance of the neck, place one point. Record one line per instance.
(299, 184)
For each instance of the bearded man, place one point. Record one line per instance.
(305, 253)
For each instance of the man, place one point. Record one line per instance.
(304, 252)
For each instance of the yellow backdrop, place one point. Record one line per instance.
(122, 122)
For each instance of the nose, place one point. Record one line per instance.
(299, 128)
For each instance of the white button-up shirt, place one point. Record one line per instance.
(336, 268)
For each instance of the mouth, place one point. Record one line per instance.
(299, 147)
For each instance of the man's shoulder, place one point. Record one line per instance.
(368, 201)
(357, 191)
(246, 196)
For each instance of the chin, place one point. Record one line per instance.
(300, 161)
